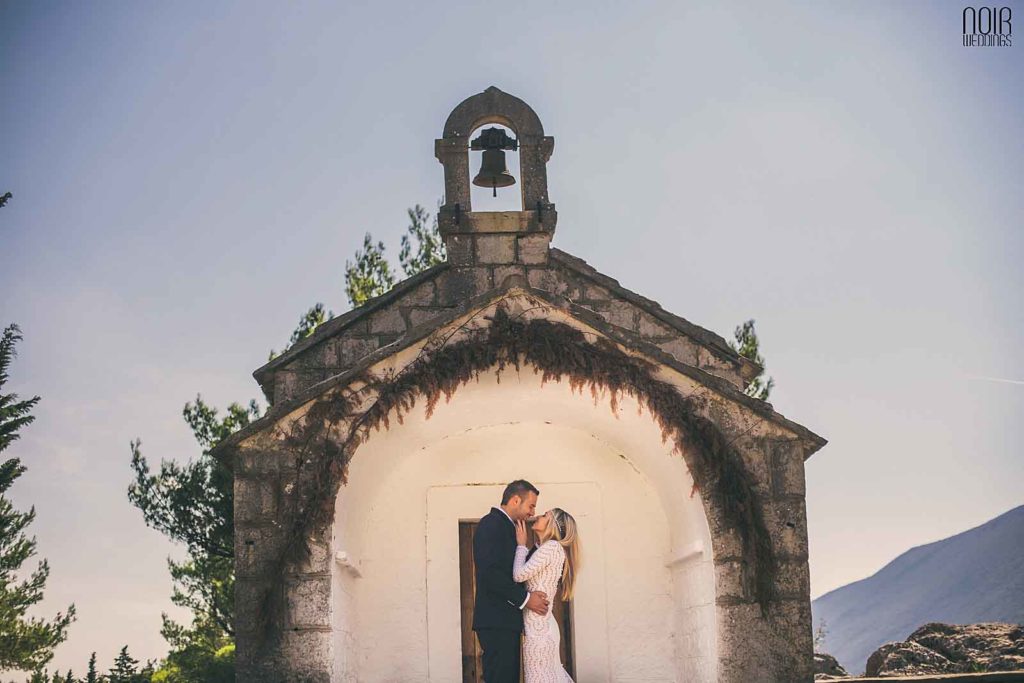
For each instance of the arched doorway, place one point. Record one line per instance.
(645, 606)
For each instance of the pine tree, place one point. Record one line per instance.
(25, 643)
(169, 501)
(45, 676)
(748, 345)
(429, 246)
(312, 319)
(14, 414)
(126, 668)
(370, 275)
(91, 676)
(147, 670)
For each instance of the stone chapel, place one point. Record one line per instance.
(395, 427)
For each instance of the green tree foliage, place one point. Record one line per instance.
(55, 677)
(197, 653)
(429, 247)
(4, 198)
(14, 414)
(311, 319)
(25, 643)
(126, 669)
(46, 677)
(370, 275)
(197, 664)
(193, 504)
(91, 676)
(748, 345)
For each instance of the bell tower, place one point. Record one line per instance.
(487, 237)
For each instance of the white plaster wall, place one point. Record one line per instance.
(645, 603)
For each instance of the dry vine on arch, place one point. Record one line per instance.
(327, 436)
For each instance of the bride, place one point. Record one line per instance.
(557, 557)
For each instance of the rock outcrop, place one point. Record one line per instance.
(949, 649)
(826, 668)
(971, 578)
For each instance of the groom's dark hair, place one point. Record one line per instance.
(517, 488)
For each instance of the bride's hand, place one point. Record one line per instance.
(521, 534)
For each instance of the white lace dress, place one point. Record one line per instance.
(541, 663)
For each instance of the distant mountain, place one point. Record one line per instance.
(976, 576)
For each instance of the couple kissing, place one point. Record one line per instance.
(505, 607)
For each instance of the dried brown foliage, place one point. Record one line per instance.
(338, 423)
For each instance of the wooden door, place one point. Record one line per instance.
(472, 670)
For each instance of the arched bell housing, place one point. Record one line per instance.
(520, 130)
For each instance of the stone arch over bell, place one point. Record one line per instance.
(535, 148)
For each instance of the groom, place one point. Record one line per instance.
(497, 614)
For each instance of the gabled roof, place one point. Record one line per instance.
(695, 332)
(626, 338)
(748, 368)
(338, 323)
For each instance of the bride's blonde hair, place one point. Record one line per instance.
(563, 529)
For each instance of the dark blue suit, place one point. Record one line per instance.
(497, 619)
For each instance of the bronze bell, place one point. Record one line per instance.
(493, 170)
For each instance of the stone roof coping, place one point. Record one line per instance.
(338, 323)
(627, 338)
(749, 369)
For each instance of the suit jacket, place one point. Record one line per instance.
(498, 597)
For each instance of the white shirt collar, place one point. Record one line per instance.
(507, 515)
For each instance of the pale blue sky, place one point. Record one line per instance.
(188, 178)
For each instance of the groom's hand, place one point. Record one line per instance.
(538, 602)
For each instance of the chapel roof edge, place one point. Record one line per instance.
(748, 368)
(627, 338)
(331, 327)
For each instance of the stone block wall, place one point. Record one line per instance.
(778, 647)
(264, 482)
(750, 646)
(477, 264)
